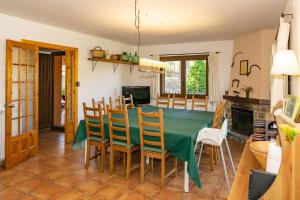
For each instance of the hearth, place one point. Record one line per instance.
(242, 121)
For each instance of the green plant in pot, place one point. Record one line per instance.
(247, 91)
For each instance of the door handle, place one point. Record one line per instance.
(9, 105)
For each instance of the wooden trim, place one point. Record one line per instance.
(245, 100)
(183, 60)
(49, 45)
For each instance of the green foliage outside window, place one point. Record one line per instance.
(196, 77)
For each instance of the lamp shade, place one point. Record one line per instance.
(285, 63)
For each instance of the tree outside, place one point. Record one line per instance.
(196, 77)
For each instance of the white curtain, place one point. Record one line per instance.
(213, 78)
(278, 84)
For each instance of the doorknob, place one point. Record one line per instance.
(9, 105)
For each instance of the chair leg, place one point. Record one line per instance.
(163, 172)
(152, 164)
(225, 169)
(87, 157)
(96, 151)
(200, 153)
(124, 160)
(212, 157)
(142, 175)
(128, 168)
(102, 160)
(175, 166)
(216, 155)
(232, 165)
(111, 161)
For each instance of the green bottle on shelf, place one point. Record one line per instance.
(130, 58)
(135, 58)
(125, 56)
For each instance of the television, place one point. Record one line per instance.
(140, 94)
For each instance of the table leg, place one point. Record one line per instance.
(186, 177)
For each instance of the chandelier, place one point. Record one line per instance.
(146, 65)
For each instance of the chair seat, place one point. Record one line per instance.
(148, 148)
(97, 138)
(122, 143)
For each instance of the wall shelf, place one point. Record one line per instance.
(115, 63)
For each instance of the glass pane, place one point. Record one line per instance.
(30, 123)
(14, 127)
(15, 91)
(31, 74)
(23, 125)
(15, 110)
(15, 55)
(15, 70)
(30, 106)
(23, 56)
(30, 90)
(173, 77)
(23, 90)
(22, 73)
(22, 108)
(196, 77)
(31, 57)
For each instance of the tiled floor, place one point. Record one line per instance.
(58, 172)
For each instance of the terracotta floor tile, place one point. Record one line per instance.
(58, 172)
(11, 194)
(49, 191)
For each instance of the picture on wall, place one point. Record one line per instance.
(244, 67)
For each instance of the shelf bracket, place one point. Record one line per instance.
(131, 68)
(115, 66)
(94, 63)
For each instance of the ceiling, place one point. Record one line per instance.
(162, 21)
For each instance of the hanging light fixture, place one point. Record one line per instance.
(146, 65)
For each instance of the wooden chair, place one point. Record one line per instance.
(179, 102)
(102, 102)
(163, 101)
(115, 103)
(128, 102)
(95, 133)
(199, 103)
(118, 124)
(153, 143)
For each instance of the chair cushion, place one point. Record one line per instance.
(148, 148)
(97, 138)
(121, 143)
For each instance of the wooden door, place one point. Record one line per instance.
(71, 95)
(21, 116)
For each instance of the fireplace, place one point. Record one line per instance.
(242, 120)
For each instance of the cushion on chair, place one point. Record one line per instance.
(97, 138)
(155, 149)
(121, 143)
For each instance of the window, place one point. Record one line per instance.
(185, 75)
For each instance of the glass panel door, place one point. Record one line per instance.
(21, 101)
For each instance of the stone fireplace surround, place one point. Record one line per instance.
(259, 107)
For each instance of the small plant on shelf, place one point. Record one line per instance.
(247, 91)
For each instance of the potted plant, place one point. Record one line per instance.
(247, 90)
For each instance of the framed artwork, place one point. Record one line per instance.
(244, 67)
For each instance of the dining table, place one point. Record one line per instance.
(181, 128)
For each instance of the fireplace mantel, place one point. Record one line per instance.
(247, 100)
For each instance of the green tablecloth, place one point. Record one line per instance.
(181, 129)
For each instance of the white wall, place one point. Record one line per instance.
(101, 82)
(224, 58)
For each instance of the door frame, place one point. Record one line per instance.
(74, 80)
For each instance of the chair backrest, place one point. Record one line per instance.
(151, 126)
(179, 102)
(118, 124)
(163, 101)
(219, 114)
(115, 103)
(199, 103)
(102, 102)
(128, 102)
(94, 121)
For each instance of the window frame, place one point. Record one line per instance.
(183, 60)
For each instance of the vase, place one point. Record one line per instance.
(125, 56)
(135, 58)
